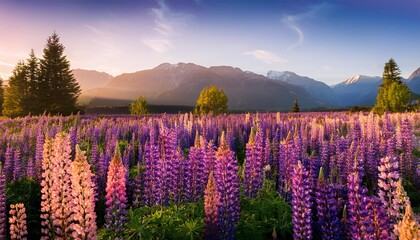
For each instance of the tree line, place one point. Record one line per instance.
(39, 86)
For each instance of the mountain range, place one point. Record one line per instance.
(180, 84)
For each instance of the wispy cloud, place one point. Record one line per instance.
(105, 41)
(265, 56)
(166, 25)
(292, 22)
(158, 45)
(6, 64)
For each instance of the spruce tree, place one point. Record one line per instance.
(16, 93)
(57, 90)
(296, 107)
(32, 77)
(393, 94)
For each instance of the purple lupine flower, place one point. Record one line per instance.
(116, 199)
(381, 221)
(301, 203)
(359, 221)
(194, 171)
(211, 202)
(253, 164)
(227, 182)
(3, 216)
(387, 184)
(152, 180)
(30, 169)
(8, 163)
(17, 166)
(327, 209)
(39, 146)
(407, 147)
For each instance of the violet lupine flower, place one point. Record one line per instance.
(408, 145)
(17, 166)
(61, 199)
(301, 203)
(30, 169)
(116, 199)
(17, 220)
(359, 221)
(194, 170)
(152, 175)
(387, 182)
(227, 182)
(8, 163)
(3, 217)
(211, 203)
(381, 221)
(327, 209)
(84, 225)
(253, 164)
(39, 146)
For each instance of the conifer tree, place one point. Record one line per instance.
(16, 93)
(56, 90)
(296, 107)
(393, 94)
(32, 77)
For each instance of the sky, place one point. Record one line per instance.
(328, 40)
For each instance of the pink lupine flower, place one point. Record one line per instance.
(116, 198)
(56, 198)
(84, 225)
(17, 221)
(211, 202)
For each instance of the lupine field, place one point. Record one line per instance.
(238, 176)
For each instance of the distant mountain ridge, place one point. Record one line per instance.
(317, 89)
(181, 83)
(90, 79)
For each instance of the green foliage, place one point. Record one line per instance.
(139, 107)
(393, 94)
(46, 85)
(211, 101)
(28, 192)
(168, 222)
(264, 216)
(16, 93)
(57, 90)
(296, 107)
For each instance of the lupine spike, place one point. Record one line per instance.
(84, 225)
(116, 199)
(17, 220)
(301, 203)
(211, 203)
(3, 217)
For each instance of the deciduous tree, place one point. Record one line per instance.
(212, 101)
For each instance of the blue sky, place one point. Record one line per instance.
(323, 39)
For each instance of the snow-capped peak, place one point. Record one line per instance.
(280, 75)
(361, 78)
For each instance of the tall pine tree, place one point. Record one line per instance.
(32, 77)
(393, 94)
(16, 93)
(57, 90)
